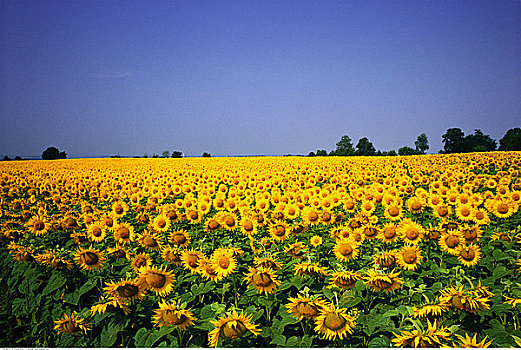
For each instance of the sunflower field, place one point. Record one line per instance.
(417, 251)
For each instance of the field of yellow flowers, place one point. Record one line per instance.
(262, 252)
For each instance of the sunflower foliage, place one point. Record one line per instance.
(262, 252)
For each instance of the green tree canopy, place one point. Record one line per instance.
(453, 140)
(344, 147)
(364, 147)
(177, 154)
(511, 141)
(421, 143)
(407, 151)
(53, 153)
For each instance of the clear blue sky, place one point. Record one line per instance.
(96, 78)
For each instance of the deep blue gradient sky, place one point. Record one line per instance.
(96, 78)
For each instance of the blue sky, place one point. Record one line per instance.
(97, 78)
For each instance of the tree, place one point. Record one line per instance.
(321, 153)
(364, 147)
(166, 154)
(511, 141)
(177, 154)
(344, 147)
(206, 155)
(453, 141)
(7, 158)
(422, 143)
(53, 153)
(311, 154)
(407, 151)
(478, 142)
(391, 153)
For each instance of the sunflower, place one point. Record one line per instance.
(112, 305)
(349, 204)
(467, 342)
(161, 223)
(309, 269)
(228, 220)
(388, 282)
(463, 299)
(465, 212)
(140, 260)
(119, 208)
(385, 259)
(393, 212)
(53, 259)
(304, 307)
(267, 262)
(109, 221)
(89, 259)
(20, 252)
(415, 205)
(171, 314)
(264, 280)
(327, 217)
(332, 322)
(150, 241)
(119, 252)
(212, 224)
(481, 217)
(279, 230)
(38, 225)
(71, 324)
(124, 290)
(345, 250)
(430, 338)
(232, 326)
(96, 232)
(180, 238)
(315, 241)
(191, 260)
(468, 254)
(205, 269)
(291, 212)
(248, 225)
(409, 257)
(442, 211)
(223, 262)
(429, 311)
(344, 280)
(310, 216)
(450, 241)
(170, 211)
(158, 280)
(124, 233)
(503, 207)
(193, 215)
(410, 231)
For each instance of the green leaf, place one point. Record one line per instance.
(278, 340)
(304, 342)
(140, 337)
(109, 335)
(380, 342)
(55, 282)
(499, 272)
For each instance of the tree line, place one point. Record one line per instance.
(454, 141)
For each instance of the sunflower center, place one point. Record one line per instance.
(468, 254)
(326, 216)
(118, 209)
(291, 211)
(127, 290)
(297, 229)
(192, 261)
(344, 282)
(412, 233)
(306, 310)
(480, 216)
(90, 258)
(161, 223)
(156, 280)
(345, 249)
(389, 233)
(233, 329)
(262, 279)
(213, 224)
(393, 211)
(224, 262)
(416, 206)
(456, 302)
(229, 221)
(470, 235)
(171, 215)
(70, 327)
(334, 321)
(124, 232)
(119, 254)
(193, 215)
(39, 225)
(465, 212)
(502, 208)
(280, 231)
(179, 238)
(313, 216)
(150, 242)
(71, 222)
(443, 211)
(370, 232)
(173, 317)
(452, 241)
(96, 232)
(409, 256)
(248, 225)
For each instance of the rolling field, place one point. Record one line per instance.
(262, 252)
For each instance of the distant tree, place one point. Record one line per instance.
(53, 153)
(391, 153)
(155, 156)
(311, 154)
(7, 158)
(145, 155)
(364, 147)
(165, 154)
(421, 143)
(478, 142)
(177, 154)
(511, 141)
(17, 158)
(344, 147)
(206, 155)
(321, 153)
(453, 141)
(407, 151)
